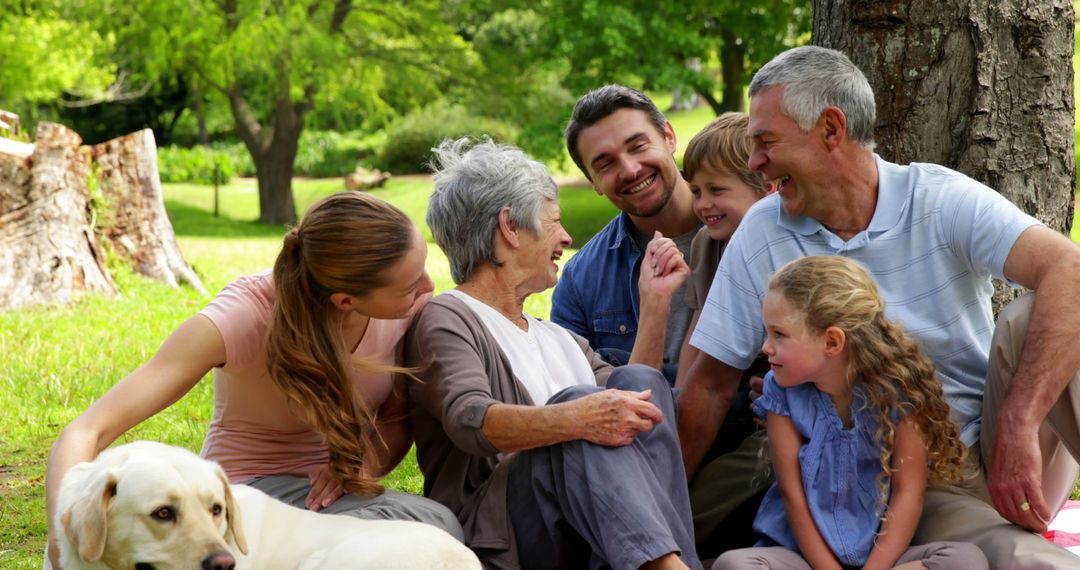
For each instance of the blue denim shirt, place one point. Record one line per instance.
(597, 295)
(839, 472)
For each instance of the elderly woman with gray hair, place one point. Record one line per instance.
(549, 457)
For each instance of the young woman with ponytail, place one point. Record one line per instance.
(309, 397)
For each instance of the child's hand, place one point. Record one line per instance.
(663, 269)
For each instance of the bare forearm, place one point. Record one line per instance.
(1049, 359)
(515, 428)
(1049, 263)
(906, 503)
(651, 333)
(905, 508)
(707, 391)
(701, 412)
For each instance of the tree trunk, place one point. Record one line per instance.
(732, 69)
(48, 250)
(984, 87)
(135, 220)
(273, 150)
(274, 171)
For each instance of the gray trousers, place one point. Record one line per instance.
(582, 505)
(935, 556)
(965, 512)
(391, 505)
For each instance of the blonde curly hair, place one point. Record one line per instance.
(885, 361)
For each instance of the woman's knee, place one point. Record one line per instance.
(573, 393)
(637, 378)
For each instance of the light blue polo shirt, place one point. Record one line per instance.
(934, 242)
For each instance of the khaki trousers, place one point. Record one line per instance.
(964, 512)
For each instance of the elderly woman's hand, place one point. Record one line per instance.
(663, 269)
(614, 417)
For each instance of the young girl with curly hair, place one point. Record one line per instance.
(857, 426)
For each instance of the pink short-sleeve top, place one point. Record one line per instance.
(253, 431)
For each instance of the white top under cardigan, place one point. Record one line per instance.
(545, 358)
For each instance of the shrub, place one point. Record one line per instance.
(330, 153)
(410, 139)
(238, 155)
(320, 154)
(198, 165)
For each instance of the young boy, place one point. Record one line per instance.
(724, 188)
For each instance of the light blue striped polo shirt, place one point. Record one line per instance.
(934, 242)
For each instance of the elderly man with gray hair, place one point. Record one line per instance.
(932, 238)
(549, 457)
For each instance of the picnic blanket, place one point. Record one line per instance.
(1065, 528)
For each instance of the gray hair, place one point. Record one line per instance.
(473, 182)
(814, 78)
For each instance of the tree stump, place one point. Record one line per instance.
(49, 248)
(48, 252)
(136, 223)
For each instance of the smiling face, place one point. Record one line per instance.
(785, 155)
(539, 252)
(630, 161)
(720, 200)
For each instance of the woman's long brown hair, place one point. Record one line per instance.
(887, 364)
(342, 244)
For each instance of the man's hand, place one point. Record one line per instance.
(325, 489)
(615, 417)
(1015, 476)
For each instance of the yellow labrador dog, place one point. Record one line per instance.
(150, 506)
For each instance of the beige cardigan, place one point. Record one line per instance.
(461, 373)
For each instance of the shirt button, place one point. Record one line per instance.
(622, 328)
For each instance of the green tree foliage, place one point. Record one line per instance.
(47, 51)
(701, 44)
(274, 62)
(537, 56)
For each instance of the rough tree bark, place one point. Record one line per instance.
(51, 217)
(984, 87)
(137, 226)
(48, 252)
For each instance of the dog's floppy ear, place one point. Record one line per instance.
(86, 521)
(235, 532)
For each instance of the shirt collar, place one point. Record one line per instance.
(892, 194)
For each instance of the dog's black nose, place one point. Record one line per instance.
(219, 561)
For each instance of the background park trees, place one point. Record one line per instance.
(262, 72)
